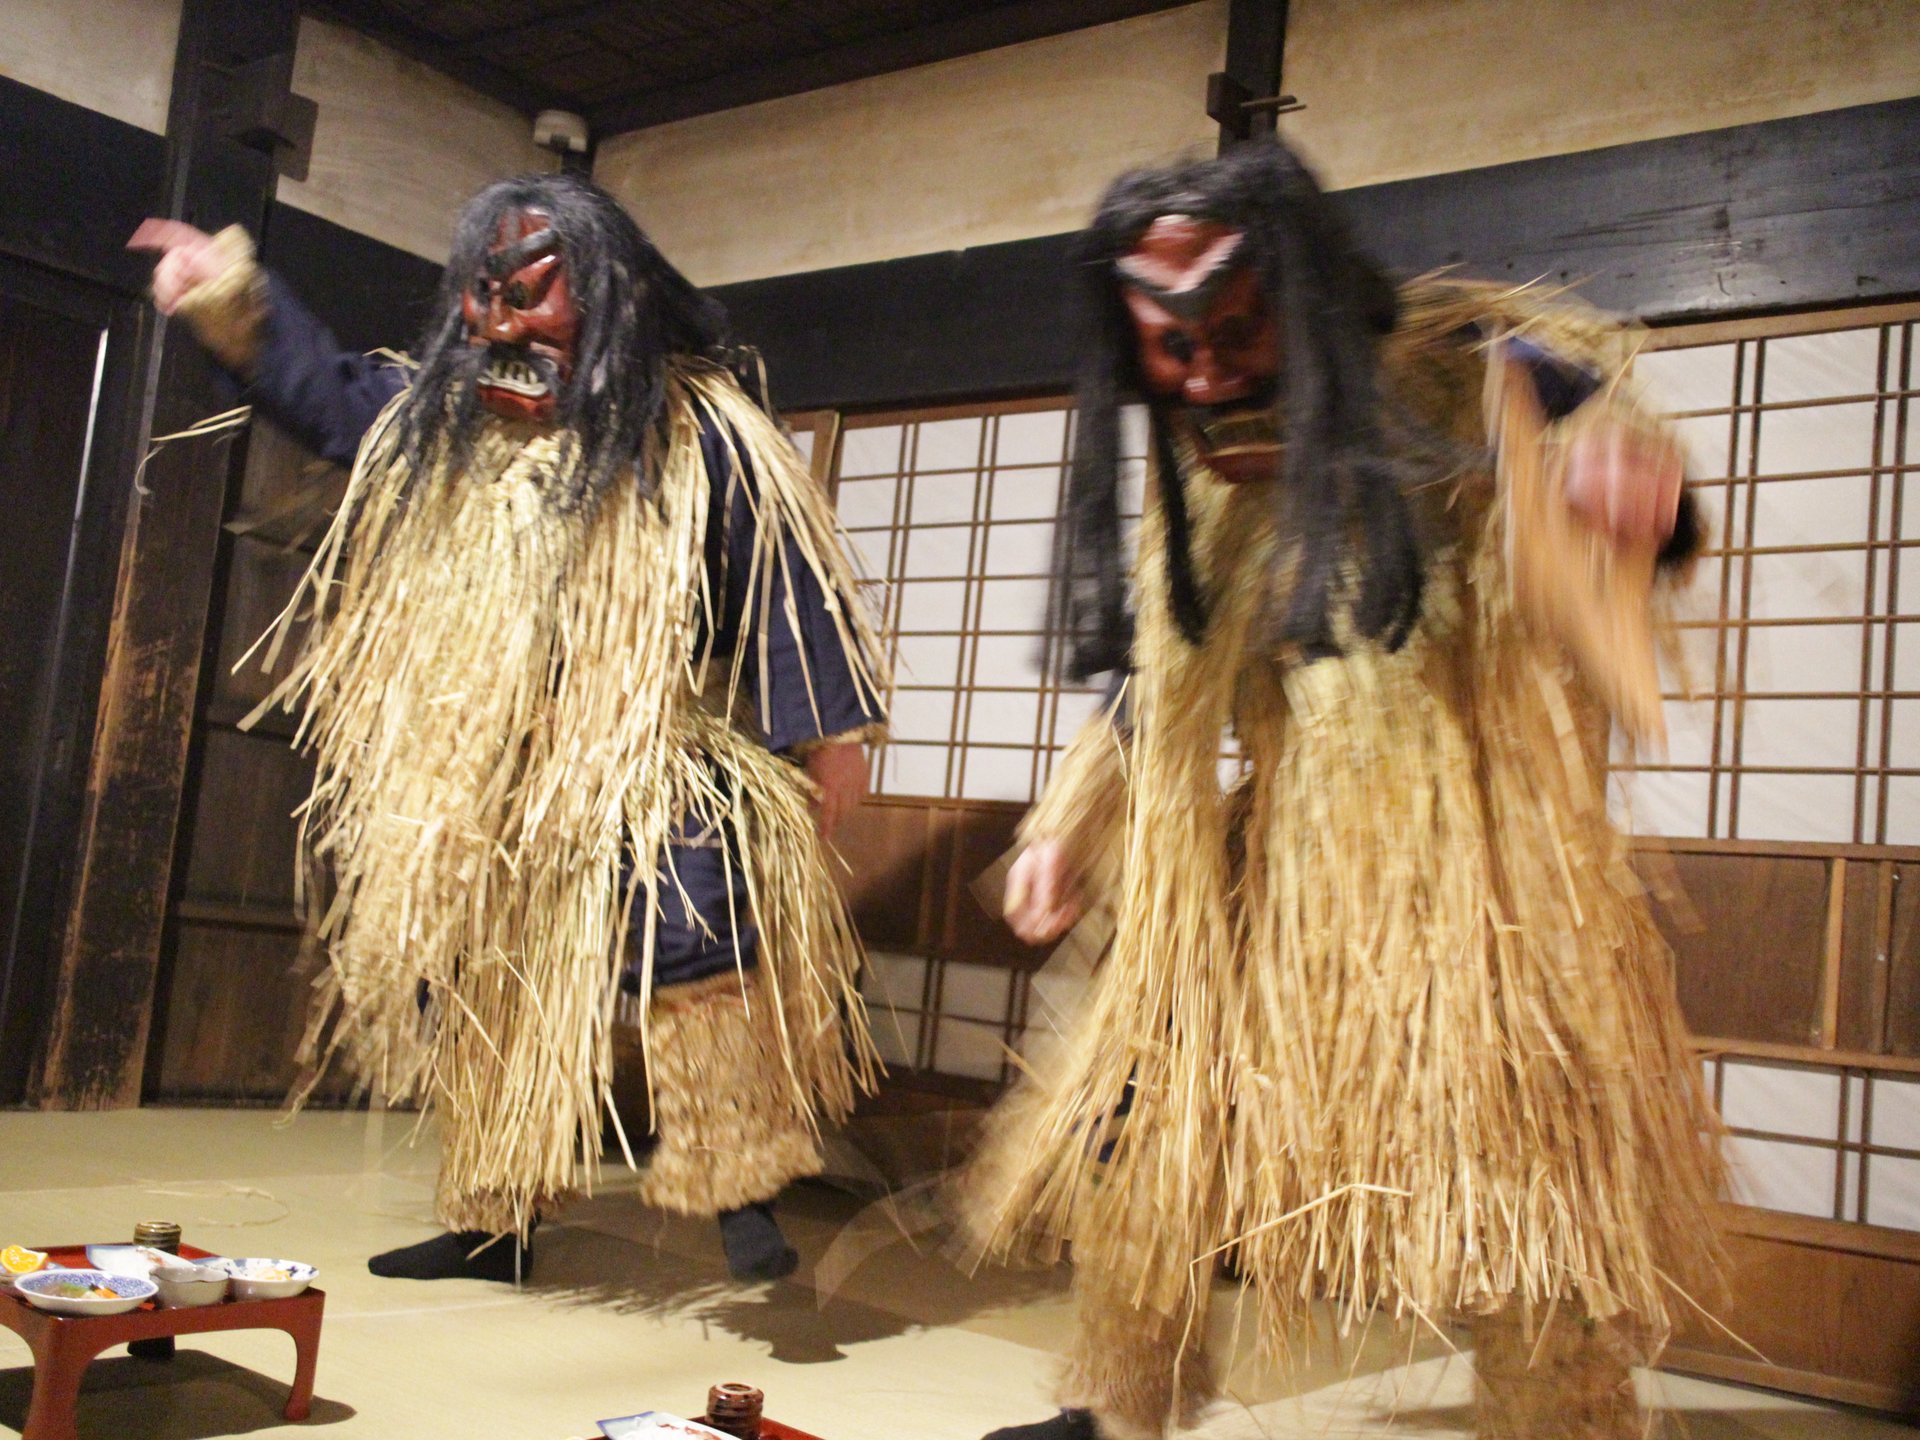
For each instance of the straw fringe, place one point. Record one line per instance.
(504, 703)
(730, 1132)
(1392, 1017)
(1557, 1376)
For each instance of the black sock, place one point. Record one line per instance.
(756, 1250)
(446, 1257)
(1067, 1425)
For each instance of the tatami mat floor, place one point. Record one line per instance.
(632, 1310)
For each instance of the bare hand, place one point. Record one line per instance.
(1043, 899)
(1624, 481)
(187, 259)
(840, 771)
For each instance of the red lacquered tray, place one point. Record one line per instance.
(64, 1345)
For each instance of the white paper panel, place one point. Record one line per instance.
(1076, 709)
(894, 979)
(1820, 658)
(866, 502)
(870, 550)
(1026, 495)
(870, 450)
(1815, 367)
(1133, 431)
(1000, 717)
(968, 1049)
(948, 445)
(922, 715)
(1813, 512)
(1906, 636)
(1904, 751)
(1706, 442)
(927, 659)
(1796, 807)
(914, 770)
(1016, 605)
(976, 992)
(1782, 1175)
(1019, 549)
(932, 605)
(893, 1036)
(1826, 437)
(1856, 1109)
(1037, 438)
(1660, 803)
(1781, 1100)
(942, 499)
(1796, 587)
(1896, 1113)
(997, 774)
(1816, 734)
(936, 552)
(1893, 1192)
(1007, 660)
(1699, 377)
(1903, 810)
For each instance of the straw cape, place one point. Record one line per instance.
(513, 705)
(1389, 1017)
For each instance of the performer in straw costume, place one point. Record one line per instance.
(584, 663)
(1388, 1018)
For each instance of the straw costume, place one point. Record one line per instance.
(1388, 1017)
(579, 615)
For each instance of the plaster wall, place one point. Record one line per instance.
(1018, 142)
(1401, 88)
(397, 147)
(1003, 145)
(114, 56)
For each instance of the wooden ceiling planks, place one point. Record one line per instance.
(626, 64)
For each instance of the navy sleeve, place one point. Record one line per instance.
(326, 397)
(807, 688)
(1562, 386)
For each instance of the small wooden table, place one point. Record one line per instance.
(64, 1345)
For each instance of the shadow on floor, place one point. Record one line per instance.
(586, 1263)
(194, 1396)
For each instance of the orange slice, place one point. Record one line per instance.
(18, 1260)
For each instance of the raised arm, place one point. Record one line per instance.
(279, 355)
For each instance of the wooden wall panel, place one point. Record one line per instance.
(238, 1009)
(1748, 958)
(242, 840)
(1834, 1309)
(910, 872)
(1903, 964)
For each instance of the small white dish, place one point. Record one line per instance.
(184, 1286)
(262, 1279)
(42, 1291)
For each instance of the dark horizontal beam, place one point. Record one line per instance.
(1812, 211)
(77, 183)
(1005, 24)
(379, 22)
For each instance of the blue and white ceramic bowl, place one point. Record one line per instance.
(261, 1279)
(44, 1290)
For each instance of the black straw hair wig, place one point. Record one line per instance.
(1359, 559)
(635, 309)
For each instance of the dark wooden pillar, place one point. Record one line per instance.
(1245, 98)
(229, 92)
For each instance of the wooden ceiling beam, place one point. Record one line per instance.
(1005, 24)
(379, 22)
